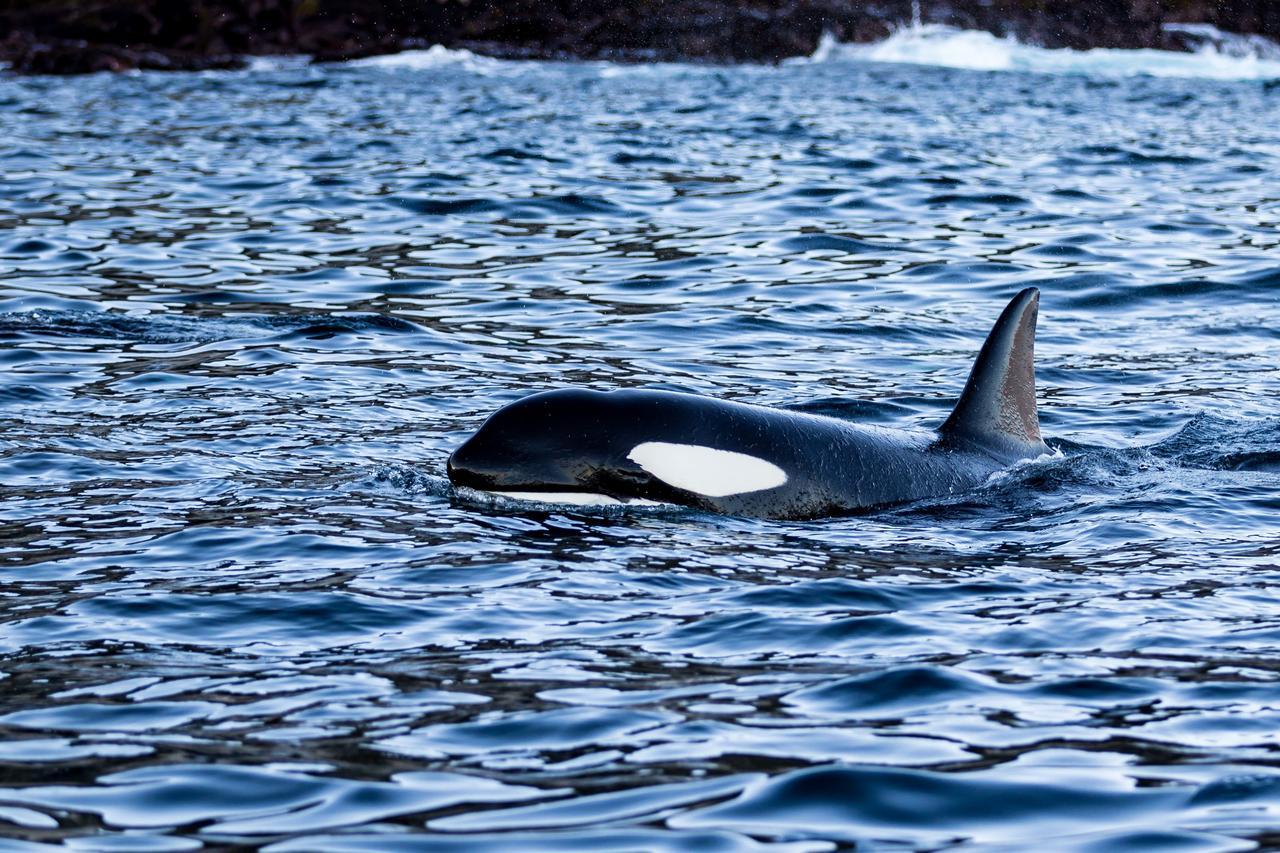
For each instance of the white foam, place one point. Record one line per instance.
(1050, 456)
(1220, 56)
(706, 470)
(276, 63)
(436, 56)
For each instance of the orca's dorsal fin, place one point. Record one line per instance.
(997, 411)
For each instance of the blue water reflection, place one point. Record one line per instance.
(245, 317)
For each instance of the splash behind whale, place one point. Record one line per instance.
(583, 446)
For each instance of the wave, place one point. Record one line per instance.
(436, 56)
(1217, 56)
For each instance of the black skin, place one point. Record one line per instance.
(576, 440)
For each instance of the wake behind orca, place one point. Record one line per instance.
(581, 446)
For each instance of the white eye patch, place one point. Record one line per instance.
(706, 470)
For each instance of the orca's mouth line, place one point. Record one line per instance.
(564, 498)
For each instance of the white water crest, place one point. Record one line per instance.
(1218, 55)
(436, 56)
(276, 63)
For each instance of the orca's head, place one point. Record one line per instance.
(557, 441)
(579, 446)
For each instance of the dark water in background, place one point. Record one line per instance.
(246, 317)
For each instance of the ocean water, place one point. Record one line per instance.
(244, 318)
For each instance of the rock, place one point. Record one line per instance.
(79, 57)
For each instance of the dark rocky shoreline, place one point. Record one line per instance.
(80, 36)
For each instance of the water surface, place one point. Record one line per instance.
(246, 316)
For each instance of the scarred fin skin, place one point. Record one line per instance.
(997, 410)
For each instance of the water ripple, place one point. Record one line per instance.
(245, 316)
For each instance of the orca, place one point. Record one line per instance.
(647, 446)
